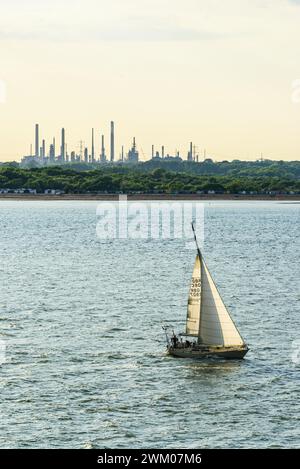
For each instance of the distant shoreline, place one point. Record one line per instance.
(150, 197)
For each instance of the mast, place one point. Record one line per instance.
(201, 276)
(196, 241)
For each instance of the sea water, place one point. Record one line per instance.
(83, 352)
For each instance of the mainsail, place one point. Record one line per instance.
(207, 316)
(216, 325)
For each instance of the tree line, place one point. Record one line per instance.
(246, 177)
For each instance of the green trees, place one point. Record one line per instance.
(234, 177)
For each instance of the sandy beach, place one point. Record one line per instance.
(160, 197)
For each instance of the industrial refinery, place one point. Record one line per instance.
(58, 154)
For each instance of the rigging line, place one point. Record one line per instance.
(196, 241)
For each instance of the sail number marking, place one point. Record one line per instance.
(195, 289)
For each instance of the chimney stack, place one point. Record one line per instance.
(63, 145)
(112, 141)
(86, 155)
(102, 156)
(93, 147)
(37, 144)
(190, 153)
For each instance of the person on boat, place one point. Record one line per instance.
(174, 340)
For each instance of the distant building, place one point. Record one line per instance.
(53, 192)
(30, 161)
(173, 158)
(61, 156)
(133, 155)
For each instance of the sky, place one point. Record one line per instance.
(220, 73)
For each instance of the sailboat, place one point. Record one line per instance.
(210, 330)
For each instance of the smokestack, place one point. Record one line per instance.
(43, 149)
(93, 147)
(152, 151)
(112, 141)
(86, 155)
(37, 144)
(162, 151)
(63, 145)
(122, 152)
(190, 153)
(54, 150)
(102, 156)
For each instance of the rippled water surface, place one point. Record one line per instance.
(81, 320)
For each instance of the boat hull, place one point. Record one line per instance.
(211, 352)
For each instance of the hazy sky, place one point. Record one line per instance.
(217, 72)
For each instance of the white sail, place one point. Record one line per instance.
(193, 309)
(216, 325)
